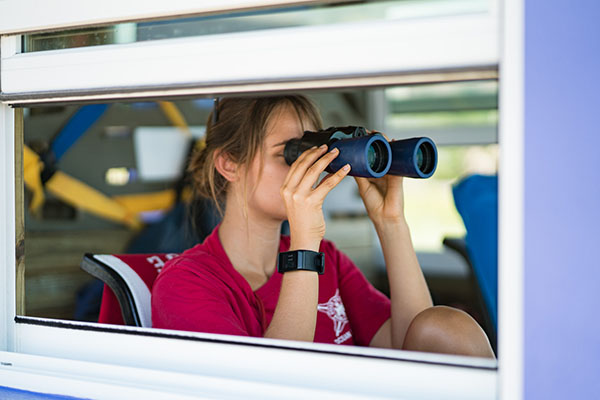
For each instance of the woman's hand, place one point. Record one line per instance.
(383, 198)
(303, 201)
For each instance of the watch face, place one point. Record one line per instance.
(291, 260)
(301, 260)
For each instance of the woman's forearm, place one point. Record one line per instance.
(295, 317)
(408, 289)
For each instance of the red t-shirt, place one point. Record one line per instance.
(201, 291)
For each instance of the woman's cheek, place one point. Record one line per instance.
(282, 170)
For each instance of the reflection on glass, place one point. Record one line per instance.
(106, 157)
(287, 17)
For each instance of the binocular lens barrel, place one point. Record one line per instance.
(377, 157)
(414, 158)
(368, 156)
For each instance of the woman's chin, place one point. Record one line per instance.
(277, 217)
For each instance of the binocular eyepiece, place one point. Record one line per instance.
(369, 155)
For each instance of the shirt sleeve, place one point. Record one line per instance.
(366, 307)
(182, 299)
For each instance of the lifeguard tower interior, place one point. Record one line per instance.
(95, 163)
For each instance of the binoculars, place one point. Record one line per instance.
(369, 155)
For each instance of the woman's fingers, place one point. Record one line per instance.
(299, 167)
(381, 133)
(329, 183)
(395, 188)
(314, 171)
(363, 184)
(305, 172)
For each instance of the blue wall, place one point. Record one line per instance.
(562, 199)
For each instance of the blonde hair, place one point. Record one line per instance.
(238, 130)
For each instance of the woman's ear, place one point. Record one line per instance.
(226, 166)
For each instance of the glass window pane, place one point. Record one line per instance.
(133, 155)
(462, 119)
(295, 16)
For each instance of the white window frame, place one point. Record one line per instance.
(355, 53)
(186, 364)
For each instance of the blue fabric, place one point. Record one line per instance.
(87, 303)
(476, 199)
(175, 232)
(79, 123)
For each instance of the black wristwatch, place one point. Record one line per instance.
(301, 260)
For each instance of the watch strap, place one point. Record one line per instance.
(301, 260)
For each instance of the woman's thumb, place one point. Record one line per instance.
(362, 183)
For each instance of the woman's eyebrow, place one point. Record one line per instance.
(281, 143)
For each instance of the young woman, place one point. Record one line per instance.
(229, 284)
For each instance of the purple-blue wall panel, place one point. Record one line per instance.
(562, 199)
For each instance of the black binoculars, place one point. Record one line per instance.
(369, 155)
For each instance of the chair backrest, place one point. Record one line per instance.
(476, 199)
(128, 280)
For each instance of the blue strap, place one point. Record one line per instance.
(79, 123)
